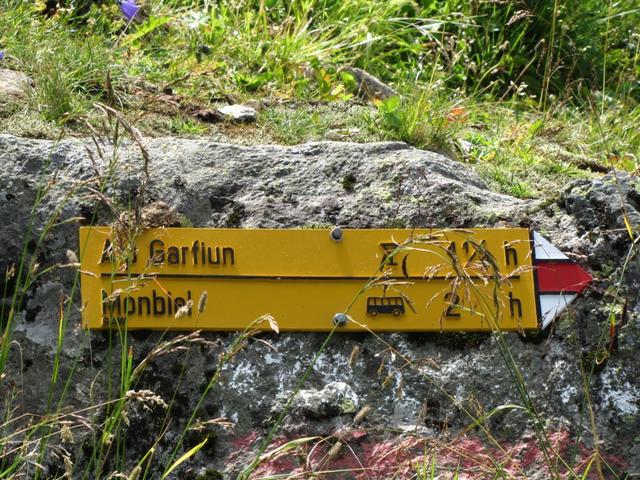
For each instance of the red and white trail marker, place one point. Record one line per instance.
(559, 279)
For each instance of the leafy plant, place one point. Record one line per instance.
(426, 120)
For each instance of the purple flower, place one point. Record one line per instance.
(129, 9)
(1, 55)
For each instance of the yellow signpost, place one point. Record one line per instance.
(383, 280)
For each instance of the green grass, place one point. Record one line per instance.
(294, 124)
(481, 50)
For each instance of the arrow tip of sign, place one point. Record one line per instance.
(560, 280)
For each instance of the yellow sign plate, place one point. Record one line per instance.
(384, 280)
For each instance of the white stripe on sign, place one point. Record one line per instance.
(545, 251)
(553, 305)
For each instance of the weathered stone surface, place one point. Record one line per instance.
(333, 400)
(12, 84)
(238, 113)
(427, 384)
(370, 86)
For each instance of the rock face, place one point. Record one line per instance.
(420, 391)
(12, 84)
(238, 113)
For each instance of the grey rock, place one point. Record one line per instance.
(13, 84)
(369, 86)
(433, 383)
(335, 398)
(239, 113)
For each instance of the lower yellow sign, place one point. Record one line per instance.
(383, 280)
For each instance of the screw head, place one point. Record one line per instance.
(340, 319)
(336, 234)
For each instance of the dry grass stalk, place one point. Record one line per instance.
(335, 450)
(362, 414)
(72, 258)
(66, 434)
(353, 357)
(176, 344)
(184, 310)
(202, 302)
(134, 132)
(135, 473)
(220, 421)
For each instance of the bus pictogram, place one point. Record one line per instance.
(385, 306)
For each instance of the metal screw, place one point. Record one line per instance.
(336, 234)
(340, 319)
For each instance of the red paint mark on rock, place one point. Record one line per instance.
(245, 441)
(371, 456)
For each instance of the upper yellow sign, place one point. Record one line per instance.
(383, 280)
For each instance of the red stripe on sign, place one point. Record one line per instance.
(562, 277)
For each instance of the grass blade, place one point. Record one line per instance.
(183, 458)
